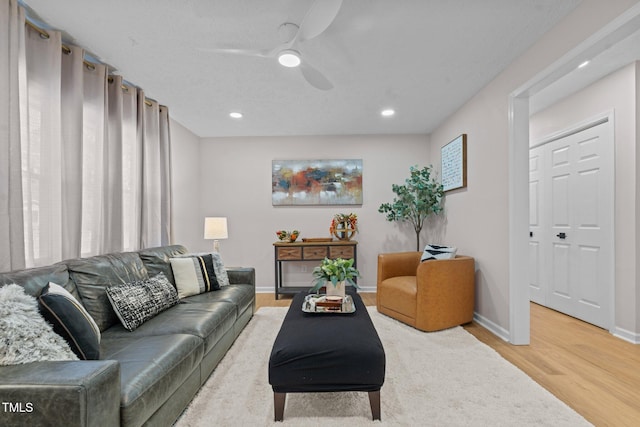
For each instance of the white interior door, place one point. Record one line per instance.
(536, 260)
(574, 263)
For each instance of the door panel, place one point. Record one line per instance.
(572, 191)
(536, 291)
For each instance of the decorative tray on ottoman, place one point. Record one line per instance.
(320, 303)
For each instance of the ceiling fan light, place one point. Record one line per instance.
(289, 58)
(388, 112)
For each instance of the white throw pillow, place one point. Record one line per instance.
(438, 252)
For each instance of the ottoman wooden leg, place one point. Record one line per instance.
(374, 400)
(278, 405)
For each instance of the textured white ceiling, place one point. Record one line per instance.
(424, 58)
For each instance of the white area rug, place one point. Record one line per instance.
(446, 378)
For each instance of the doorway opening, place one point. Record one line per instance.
(519, 106)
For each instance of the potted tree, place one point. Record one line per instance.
(335, 274)
(420, 196)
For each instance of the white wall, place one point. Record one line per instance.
(188, 225)
(235, 181)
(616, 93)
(478, 218)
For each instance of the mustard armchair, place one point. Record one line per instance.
(430, 295)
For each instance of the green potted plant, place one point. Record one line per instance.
(337, 271)
(419, 197)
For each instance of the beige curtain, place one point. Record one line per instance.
(42, 148)
(12, 254)
(86, 167)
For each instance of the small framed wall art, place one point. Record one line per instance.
(316, 182)
(454, 164)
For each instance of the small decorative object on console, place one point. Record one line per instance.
(286, 236)
(344, 226)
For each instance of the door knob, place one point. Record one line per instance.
(561, 235)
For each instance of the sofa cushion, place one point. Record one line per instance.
(71, 321)
(208, 321)
(26, 336)
(438, 252)
(34, 279)
(241, 296)
(194, 275)
(151, 369)
(137, 302)
(93, 275)
(156, 260)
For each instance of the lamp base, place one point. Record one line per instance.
(216, 245)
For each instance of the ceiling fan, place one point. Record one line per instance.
(316, 21)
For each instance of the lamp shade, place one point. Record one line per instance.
(215, 228)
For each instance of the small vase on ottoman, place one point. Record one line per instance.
(338, 289)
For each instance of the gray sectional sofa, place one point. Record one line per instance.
(144, 377)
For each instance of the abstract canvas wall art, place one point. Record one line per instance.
(316, 182)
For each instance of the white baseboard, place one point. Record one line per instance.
(632, 337)
(495, 329)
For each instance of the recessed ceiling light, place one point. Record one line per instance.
(584, 64)
(235, 115)
(388, 112)
(289, 58)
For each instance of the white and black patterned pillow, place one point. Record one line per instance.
(70, 320)
(137, 302)
(438, 252)
(194, 274)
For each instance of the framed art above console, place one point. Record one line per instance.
(316, 182)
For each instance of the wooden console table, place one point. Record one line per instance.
(309, 251)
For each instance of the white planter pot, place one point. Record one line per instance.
(338, 289)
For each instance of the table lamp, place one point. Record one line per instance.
(215, 228)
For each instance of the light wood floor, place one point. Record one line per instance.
(590, 370)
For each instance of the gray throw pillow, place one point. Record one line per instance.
(26, 336)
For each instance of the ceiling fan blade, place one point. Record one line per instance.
(318, 18)
(244, 52)
(315, 77)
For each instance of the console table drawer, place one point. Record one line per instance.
(344, 252)
(314, 252)
(286, 254)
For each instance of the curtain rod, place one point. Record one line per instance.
(66, 49)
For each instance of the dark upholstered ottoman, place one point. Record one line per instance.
(323, 352)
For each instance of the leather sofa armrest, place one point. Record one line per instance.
(74, 393)
(397, 264)
(242, 275)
